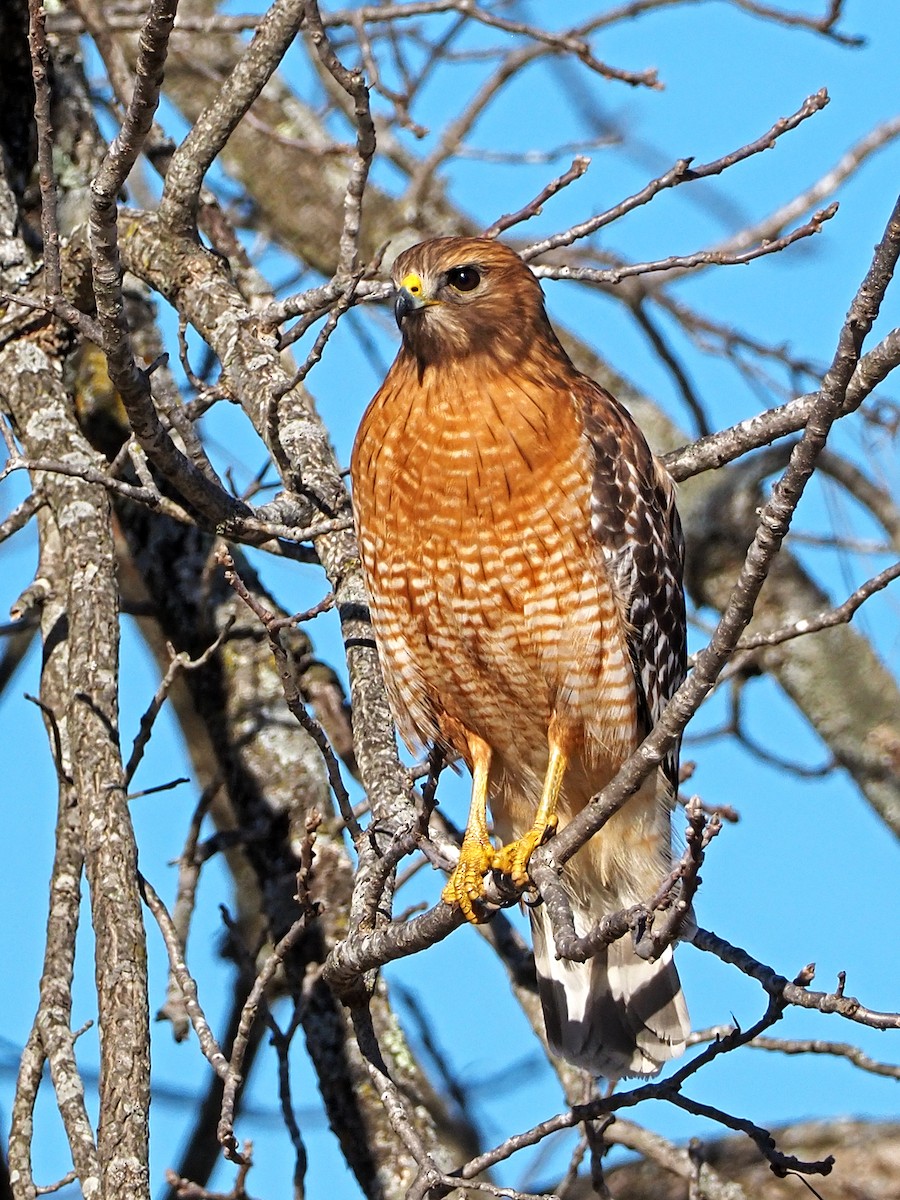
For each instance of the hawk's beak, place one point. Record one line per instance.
(410, 297)
(404, 304)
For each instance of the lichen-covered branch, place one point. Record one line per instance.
(84, 711)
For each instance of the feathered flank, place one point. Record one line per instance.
(523, 557)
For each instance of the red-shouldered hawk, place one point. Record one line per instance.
(523, 558)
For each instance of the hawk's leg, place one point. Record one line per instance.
(513, 858)
(466, 885)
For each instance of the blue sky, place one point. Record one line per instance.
(805, 874)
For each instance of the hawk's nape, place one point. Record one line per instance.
(523, 559)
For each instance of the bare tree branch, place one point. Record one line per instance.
(682, 172)
(189, 164)
(838, 615)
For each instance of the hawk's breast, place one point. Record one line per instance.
(490, 600)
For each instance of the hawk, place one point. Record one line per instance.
(523, 558)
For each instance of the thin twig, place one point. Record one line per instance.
(684, 262)
(49, 1188)
(535, 207)
(682, 172)
(187, 1190)
(806, 1046)
(841, 614)
(775, 984)
(189, 866)
(179, 662)
(231, 1076)
(354, 85)
(20, 515)
(211, 1050)
(273, 626)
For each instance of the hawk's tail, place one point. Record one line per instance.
(616, 1015)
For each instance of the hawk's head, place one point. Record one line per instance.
(462, 296)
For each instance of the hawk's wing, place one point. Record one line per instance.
(636, 525)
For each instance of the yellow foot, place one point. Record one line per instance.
(512, 859)
(465, 886)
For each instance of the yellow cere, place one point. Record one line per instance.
(412, 283)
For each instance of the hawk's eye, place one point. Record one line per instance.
(464, 279)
